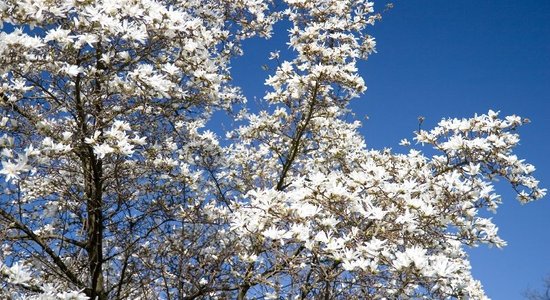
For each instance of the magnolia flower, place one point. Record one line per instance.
(10, 170)
(19, 274)
(101, 150)
(443, 266)
(404, 142)
(72, 70)
(273, 233)
(74, 295)
(306, 210)
(414, 256)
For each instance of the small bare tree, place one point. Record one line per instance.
(535, 294)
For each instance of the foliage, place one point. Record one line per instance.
(116, 187)
(532, 294)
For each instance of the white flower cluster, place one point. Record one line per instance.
(381, 220)
(20, 275)
(115, 140)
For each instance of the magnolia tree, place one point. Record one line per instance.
(113, 187)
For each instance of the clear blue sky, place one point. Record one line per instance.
(452, 59)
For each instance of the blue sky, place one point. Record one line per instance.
(443, 59)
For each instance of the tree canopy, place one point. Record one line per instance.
(117, 185)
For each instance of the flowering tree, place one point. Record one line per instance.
(115, 188)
